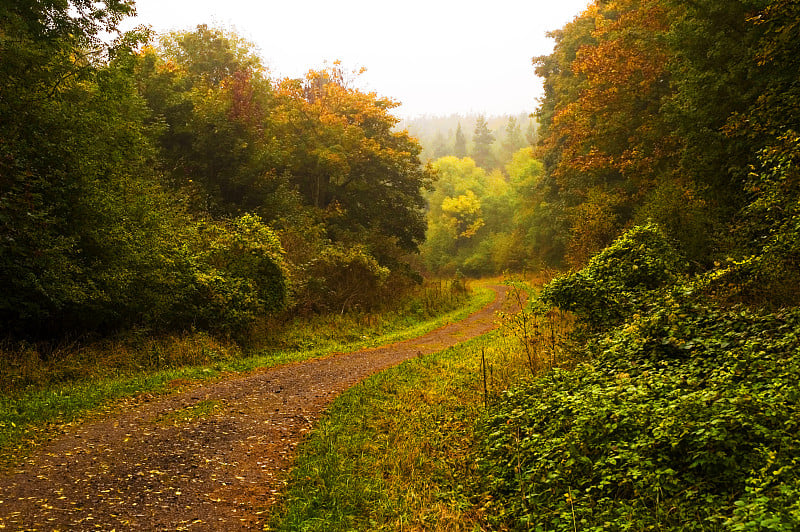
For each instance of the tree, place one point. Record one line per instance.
(210, 91)
(605, 143)
(482, 144)
(513, 139)
(531, 135)
(359, 175)
(74, 159)
(440, 148)
(460, 146)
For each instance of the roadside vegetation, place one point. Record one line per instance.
(44, 392)
(394, 452)
(684, 414)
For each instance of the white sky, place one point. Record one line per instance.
(435, 56)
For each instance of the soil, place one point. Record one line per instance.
(213, 457)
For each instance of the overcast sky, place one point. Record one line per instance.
(435, 56)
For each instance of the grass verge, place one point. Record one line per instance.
(392, 453)
(37, 412)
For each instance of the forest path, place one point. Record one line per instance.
(210, 458)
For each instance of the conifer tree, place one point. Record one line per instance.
(483, 139)
(460, 146)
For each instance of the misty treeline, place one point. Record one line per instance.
(469, 135)
(684, 114)
(168, 182)
(478, 219)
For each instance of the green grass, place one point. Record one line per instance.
(80, 385)
(392, 453)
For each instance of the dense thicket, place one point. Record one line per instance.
(683, 414)
(173, 184)
(681, 408)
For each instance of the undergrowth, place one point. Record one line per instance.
(683, 416)
(687, 419)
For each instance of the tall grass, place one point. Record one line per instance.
(389, 454)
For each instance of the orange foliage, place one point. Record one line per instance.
(608, 132)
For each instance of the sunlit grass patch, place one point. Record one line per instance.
(397, 451)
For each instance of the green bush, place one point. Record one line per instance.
(340, 278)
(688, 419)
(233, 274)
(618, 281)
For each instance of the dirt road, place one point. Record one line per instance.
(149, 467)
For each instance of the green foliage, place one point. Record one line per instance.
(619, 281)
(236, 275)
(83, 220)
(342, 278)
(478, 223)
(687, 419)
(774, 222)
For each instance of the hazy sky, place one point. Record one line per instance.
(435, 56)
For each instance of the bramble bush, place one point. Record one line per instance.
(619, 281)
(687, 418)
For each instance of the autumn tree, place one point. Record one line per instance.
(346, 160)
(210, 91)
(609, 150)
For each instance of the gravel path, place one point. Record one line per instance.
(155, 467)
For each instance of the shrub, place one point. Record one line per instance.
(687, 419)
(234, 274)
(340, 278)
(618, 281)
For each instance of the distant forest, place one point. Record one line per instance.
(437, 135)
